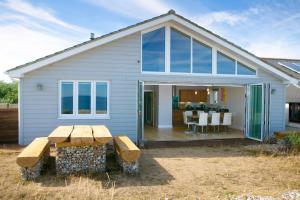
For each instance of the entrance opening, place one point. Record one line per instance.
(148, 108)
(173, 112)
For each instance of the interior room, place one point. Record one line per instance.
(173, 112)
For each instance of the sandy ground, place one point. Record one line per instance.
(175, 173)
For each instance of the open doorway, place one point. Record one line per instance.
(174, 100)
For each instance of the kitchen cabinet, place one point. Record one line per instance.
(193, 95)
(178, 117)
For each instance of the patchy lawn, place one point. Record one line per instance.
(175, 173)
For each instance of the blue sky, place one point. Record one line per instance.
(32, 29)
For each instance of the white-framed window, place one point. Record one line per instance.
(168, 49)
(225, 64)
(153, 51)
(83, 99)
(180, 52)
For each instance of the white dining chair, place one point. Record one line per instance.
(215, 120)
(187, 116)
(227, 120)
(202, 120)
(199, 111)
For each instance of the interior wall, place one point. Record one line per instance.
(164, 106)
(236, 105)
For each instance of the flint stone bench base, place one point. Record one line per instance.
(75, 159)
(31, 173)
(131, 168)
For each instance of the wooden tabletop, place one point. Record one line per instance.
(79, 135)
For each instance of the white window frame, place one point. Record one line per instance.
(192, 36)
(75, 114)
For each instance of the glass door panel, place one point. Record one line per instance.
(255, 112)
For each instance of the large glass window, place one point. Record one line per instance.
(244, 70)
(91, 99)
(202, 58)
(185, 55)
(84, 98)
(153, 51)
(66, 98)
(180, 52)
(225, 65)
(101, 98)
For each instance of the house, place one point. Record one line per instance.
(292, 107)
(139, 81)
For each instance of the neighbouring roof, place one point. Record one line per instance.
(289, 66)
(21, 69)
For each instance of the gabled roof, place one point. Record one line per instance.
(289, 66)
(19, 71)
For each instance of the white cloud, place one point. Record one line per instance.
(39, 13)
(280, 47)
(211, 18)
(29, 32)
(136, 9)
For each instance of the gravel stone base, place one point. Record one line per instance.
(86, 159)
(31, 173)
(131, 168)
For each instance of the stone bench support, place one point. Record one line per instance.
(32, 159)
(31, 173)
(77, 159)
(127, 154)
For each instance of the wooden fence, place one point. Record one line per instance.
(8, 125)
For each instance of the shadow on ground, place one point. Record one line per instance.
(151, 173)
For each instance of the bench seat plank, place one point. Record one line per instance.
(126, 149)
(82, 135)
(101, 134)
(33, 152)
(60, 134)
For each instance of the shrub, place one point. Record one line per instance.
(8, 92)
(292, 141)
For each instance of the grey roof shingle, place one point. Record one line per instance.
(277, 63)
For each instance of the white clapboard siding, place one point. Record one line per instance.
(118, 62)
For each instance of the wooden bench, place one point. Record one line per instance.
(127, 154)
(33, 157)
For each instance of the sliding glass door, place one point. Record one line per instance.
(255, 111)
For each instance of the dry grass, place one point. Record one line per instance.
(182, 173)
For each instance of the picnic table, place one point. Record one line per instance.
(80, 148)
